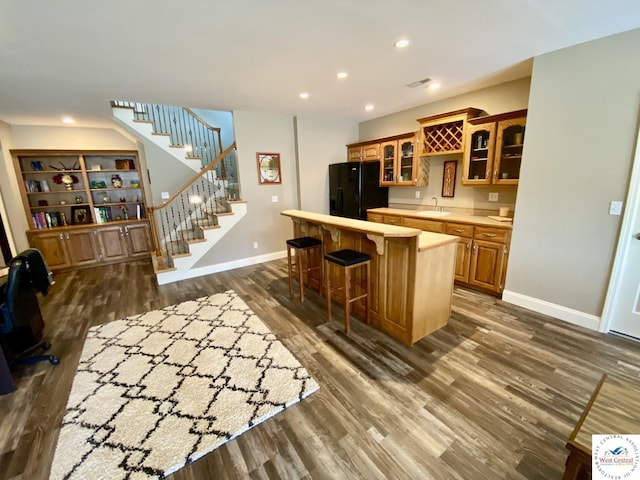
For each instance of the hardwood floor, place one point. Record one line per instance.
(494, 394)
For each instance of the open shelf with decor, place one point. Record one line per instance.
(68, 195)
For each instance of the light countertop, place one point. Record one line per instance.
(452, 217)
(360, 226)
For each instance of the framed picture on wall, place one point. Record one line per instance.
(449, 178)
(268, 168)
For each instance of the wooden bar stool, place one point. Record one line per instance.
(304, 246)
(348, 259)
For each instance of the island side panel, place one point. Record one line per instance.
(434, 290)
(396, 308)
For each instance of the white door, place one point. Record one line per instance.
(622, 307)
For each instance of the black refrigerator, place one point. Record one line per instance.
(354, 187)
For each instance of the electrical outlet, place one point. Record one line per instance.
(615, 208)
(417, 193)
(164, 195)
(255, 244)
(493, 196)
(274, 198)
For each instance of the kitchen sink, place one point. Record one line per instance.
(432, 213)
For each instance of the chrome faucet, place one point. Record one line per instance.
(435, 208)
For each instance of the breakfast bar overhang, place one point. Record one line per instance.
(412, 271)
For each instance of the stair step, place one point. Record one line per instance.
(160, 134)
(188, 157)
(142, 121)
(176, 146)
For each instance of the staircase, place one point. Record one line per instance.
(187, 225)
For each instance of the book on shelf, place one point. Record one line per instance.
(44, 185)
(103, 214)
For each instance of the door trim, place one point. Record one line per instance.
(631, 212)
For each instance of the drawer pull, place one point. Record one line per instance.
(458, 230)
(489, 235)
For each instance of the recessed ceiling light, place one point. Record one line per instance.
(342, 75)
(369, 106)
(434, 86)
(304, 95)
(401, 43)
(68, 120)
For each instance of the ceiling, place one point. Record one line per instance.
(71, 57)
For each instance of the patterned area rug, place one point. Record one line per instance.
(156, 391)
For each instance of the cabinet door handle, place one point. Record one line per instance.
(67, 236)
(469, 245)
(61, 236)
(475, 247)
(491, 235)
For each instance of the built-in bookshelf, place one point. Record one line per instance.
(78, 188)
(84, 208)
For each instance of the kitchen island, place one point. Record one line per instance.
(411, 271)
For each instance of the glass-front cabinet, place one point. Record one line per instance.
(493, 150)
(398, 163)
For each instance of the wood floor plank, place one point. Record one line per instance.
(493, 394)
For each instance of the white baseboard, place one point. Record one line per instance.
(174, 276)
(569, 315)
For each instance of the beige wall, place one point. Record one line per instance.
(260, 132)
(581, 132)
(502, 98)
(321, 141)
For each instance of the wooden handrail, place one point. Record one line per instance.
(203, 122)
(195, 178)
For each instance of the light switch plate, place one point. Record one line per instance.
(417, 193)
(274, 198)
(164, 195)
(493, 196)
(615, 208)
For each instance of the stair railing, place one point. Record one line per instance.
(185, 129)
(192, 204)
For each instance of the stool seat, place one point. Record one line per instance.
(304, 242)
(348, 260)
(308, 247)
(347, 257)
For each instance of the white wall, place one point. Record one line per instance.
(321, 141)
(15, 221)
(581, 132)
(506, 97)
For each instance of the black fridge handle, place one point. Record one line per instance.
(340, 201)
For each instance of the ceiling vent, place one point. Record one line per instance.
(418, 83)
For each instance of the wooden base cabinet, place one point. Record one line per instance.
(481, 253)
(78, 247)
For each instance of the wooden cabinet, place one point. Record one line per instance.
(83, 207)
(364, 151)
(399, 164)
(445, 133)
(77, 247)
(493, 152)
(463, 250)
(481, 252)
(65, 187)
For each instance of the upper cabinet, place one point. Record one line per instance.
(445, 133)
(364, 151)
(493, 150)
(399, 164)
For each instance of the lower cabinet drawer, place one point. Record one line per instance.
(490, 234)
(459, 229)
(426, 225)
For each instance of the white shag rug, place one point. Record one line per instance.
(156, 391)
